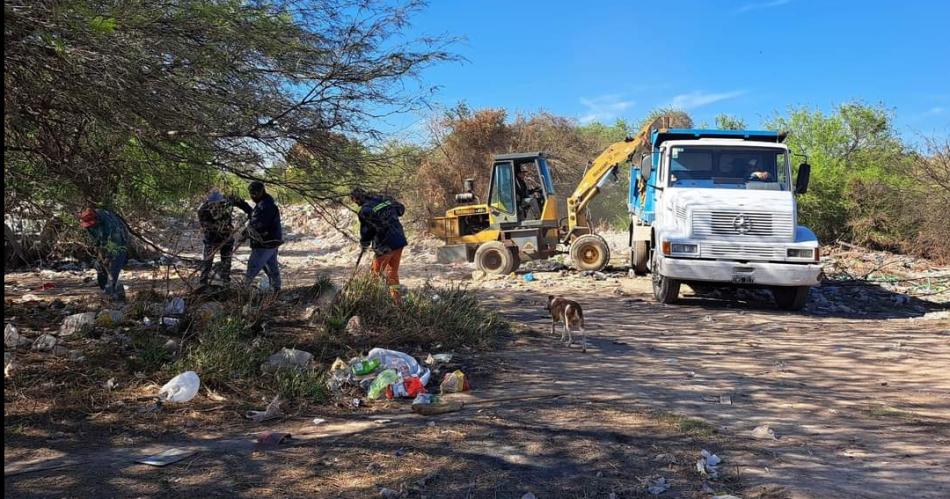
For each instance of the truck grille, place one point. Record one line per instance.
(741, 251)
(742, 223)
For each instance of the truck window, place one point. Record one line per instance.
(728, 167)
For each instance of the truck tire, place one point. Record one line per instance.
(590, 252)
(495, 258)
(665, 290)
(790, 297)
(640, 257)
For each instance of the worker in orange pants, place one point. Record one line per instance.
(389, 264)
(380, 227)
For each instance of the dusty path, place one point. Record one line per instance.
(861, 408)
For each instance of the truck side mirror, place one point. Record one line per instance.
(801, 182)
(646, 166)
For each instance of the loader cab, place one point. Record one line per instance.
(521, 189)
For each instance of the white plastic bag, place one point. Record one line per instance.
(404, 364)
(181, 388)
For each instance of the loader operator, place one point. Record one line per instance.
(528, 207)
(214, 215)
(109, 234)
(380, 227)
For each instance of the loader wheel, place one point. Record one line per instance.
(495, 258)
(640, 257)
(590, 252)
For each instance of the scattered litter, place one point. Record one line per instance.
(529, 277)
(170, 322)
(365, 366)
(44, 343)
(707, 318)
(270, 438)
(181, 388)
(319, 421)
(439, 358)
(287, 358)
(167, 457)
(12, 337)
(29, 297)
(78, 323)
(454, 382)
(404, 364)
(725, 399)
(46, 286)
(354, 326)
(381, 383)
(763, 432)
(707, 463)
(175, 307)
(110, 384)
(271, 412)
(658, 486)
(110, 318)
(429, 405)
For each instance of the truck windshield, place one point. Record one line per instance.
(728, 167)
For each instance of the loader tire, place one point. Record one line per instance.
(590, 252)
(495, 258)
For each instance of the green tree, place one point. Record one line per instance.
(728, 122)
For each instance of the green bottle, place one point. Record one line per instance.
(362, 367)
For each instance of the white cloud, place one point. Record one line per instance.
(761, 5)
(604, 107)
(698, 99)
(935, 111)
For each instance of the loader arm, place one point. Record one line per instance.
(597, 175)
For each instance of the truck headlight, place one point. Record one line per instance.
(684, 249)
(801, 253)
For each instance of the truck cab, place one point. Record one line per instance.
(717, 207)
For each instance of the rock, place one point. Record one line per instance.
(658, 486)
(171, 346)
(175, 307)
(209, 311)
(7, 365)
(60, 351)
(389, 493)
(110, 318)
(287, 358)
(12, 337)
(45, 343)
(763, 432)
(354, 326)
(478, 275)
(29, 297)
(78, 323)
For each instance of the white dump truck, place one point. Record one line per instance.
(717, 207)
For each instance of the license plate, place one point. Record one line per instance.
(742, 279)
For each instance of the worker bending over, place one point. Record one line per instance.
(111, 239)
(380, 226)
(217, 227)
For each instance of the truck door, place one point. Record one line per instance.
(501, 198)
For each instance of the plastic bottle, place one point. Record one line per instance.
(383, 380)
(363, 367)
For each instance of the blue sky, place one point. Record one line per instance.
(750, 58)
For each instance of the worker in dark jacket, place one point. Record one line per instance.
(215, 218)
(111, 238)
(265, 233)
(380, 227)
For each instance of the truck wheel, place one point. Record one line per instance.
(495, 258)
(790, 297)
(590, 252)
(665, 290)
(639, 257)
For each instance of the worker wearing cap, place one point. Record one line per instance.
(215, 217)
(380, 227)
(266, 235)
(111, 238)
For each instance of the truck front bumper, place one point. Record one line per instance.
(764, 273)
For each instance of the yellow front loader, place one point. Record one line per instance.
(502, 230)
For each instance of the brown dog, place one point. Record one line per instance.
(569, 313)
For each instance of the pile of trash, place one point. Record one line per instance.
(393, 374)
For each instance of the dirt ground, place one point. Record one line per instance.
(859, 403)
